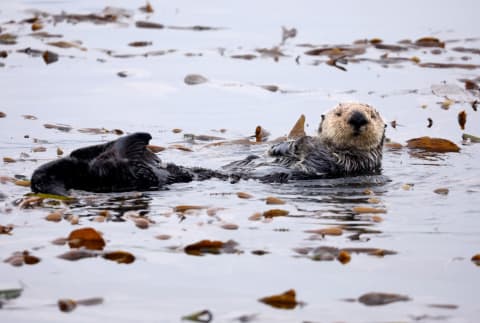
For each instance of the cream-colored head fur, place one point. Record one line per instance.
(336, 128)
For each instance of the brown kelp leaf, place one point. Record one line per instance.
(212, 247)
(86, 237)
(244, 195)
(194, 79)
(471, 85)
(49, 57)
(121, 257)
(6, 229)
(438, 145)
(147, 8)
(176, 130)
(286, 300)
(59, 151)
(184, 208)
(366, 209)
(66, 305)
(36, 26)
(60, 241)
(444, 306)
(2, 114)
(344, 257)
(275, 212)
(332, 231)
(8, 160)
(271, 88)
(229, 226)
(8, 39)
(204, 316)
(429, 42)
(374, 200)
(3, 54)
(60, 127)
(373, 299)
(149, 25)
(450, 65)
(155, 149)
(476, 259)
(336, 52)
(244, 56)
(255, 216)
(462, 119)
(22, 182)
(29, 259)
(19, 258)
(66, 44)
(74, 255)
(180, 147)
(56, 216)
(274, 200)
(39, 149)
(141, 223)
(441, 191)
(446, 104)
(163, 237)
(140, 43)
(298, 129)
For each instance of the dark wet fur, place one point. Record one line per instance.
(121, 165)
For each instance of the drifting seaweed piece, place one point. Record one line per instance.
(147, 8)
(149, 25)
(298, 129)
(288, 33)
(66, 44)
(8, 39)
(275, 212)
(121, 257)
(429, 42)
(466, 50)
(86, 237)
(449, 65)
(375, 299)
(194, 28)
(337, 52)
(140, 43)
(44, 34)
(211, 247)
(19, 258)
(60, 127)
(6, 229)
(462, 119)
(286, 300)
(204, 316)
(247, 57)
(194, 79)
(437, 145)
(49, 57)
(68, 305)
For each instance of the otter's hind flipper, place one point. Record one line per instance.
(134, 146)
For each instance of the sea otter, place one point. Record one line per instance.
(349, 142)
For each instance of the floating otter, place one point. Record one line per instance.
(349, 142)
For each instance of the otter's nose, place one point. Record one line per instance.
(357, 119)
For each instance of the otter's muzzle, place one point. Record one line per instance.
(357, 120)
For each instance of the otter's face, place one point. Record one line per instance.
(352, 126)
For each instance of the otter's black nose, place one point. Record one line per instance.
(357, 119)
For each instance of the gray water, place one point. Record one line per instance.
(434, 235)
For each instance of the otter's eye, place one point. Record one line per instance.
(373, 116)
(338, 113)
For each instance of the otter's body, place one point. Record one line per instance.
(349, 142)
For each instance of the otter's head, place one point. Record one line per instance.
(352, 126)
